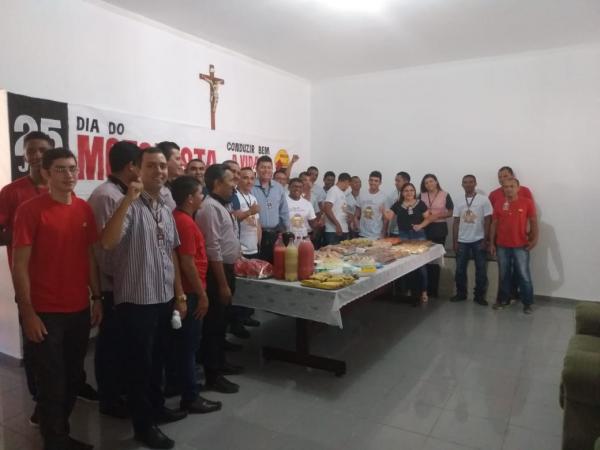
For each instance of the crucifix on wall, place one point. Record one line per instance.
(214, 83)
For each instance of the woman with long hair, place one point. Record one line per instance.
(440, 205)
(412, 216)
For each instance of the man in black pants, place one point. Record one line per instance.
(104, 201)
(220, 229)
(143, 234)
(53, 267)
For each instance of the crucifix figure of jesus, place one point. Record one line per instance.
(214, 83)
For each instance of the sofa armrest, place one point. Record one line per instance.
(581, 377)
(587, 318)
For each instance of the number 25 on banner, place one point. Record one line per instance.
(25, 124)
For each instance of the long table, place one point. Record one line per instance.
(309, 304)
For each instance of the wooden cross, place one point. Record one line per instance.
(214, 92)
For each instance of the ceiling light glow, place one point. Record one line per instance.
(354, 6)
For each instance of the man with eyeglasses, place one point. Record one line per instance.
(53, 268)
(147, 288)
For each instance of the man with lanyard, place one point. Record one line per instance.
(369, 210)
(245, 209)
(271, 198)
(146, 278)
(496, 196)
(511, 242)
(401, 179)
(471, 231)
(54, 272)
(220, 229)
(104, 200)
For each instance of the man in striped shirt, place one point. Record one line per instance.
(143, 234)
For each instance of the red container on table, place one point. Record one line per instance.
(279, 259)
(306, 259)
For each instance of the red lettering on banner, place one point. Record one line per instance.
(199, 152)
(186, 155)
(211, 157)
(90, 159)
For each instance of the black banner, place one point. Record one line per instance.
(26, 114)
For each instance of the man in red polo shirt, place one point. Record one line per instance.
(511, 242)
(187, 193)
(53, 266)
(497, 195)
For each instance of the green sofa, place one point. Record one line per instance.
(580, 387)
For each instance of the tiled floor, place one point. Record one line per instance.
(444, 377)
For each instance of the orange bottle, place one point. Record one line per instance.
(279, 259)
(306, 259)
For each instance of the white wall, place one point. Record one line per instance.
(538, 112)
(93, 54)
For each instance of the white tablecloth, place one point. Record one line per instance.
(294, 300)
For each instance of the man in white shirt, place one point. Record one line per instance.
(369, 210)
(302, 213)
(247, 215)
(352, 195)
(472, 219)
(334, 208)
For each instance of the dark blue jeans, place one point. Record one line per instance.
(516, 259)
(463, 254)
(187, 342)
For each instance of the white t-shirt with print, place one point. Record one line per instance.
(371, 214)
(248, 226)
(337, 198)
(301, 211)
(471, 225)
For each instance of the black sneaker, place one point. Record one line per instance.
(527, 309)
(458, 298)
(238, 330)
(87, 393)
(481, 301)
(250, 322)
(154, 438)
(222, 384)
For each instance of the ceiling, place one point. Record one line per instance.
(314, 41)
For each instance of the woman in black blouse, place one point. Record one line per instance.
(412, 217)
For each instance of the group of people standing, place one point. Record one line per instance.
(150, 259)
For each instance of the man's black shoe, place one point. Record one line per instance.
(87, 393)
(481, 301)
(250, 322)
(154, 438)
(527, 309)
(74, 444)
(458, 298)
(116, 410)
(167, 415)
(202, 406)
(231, 369)
(221, 384)
(238, 330)
(231, 347)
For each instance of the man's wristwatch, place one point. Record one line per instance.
(181, 298)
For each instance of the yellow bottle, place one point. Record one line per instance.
(291, 262)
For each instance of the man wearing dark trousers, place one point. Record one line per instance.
(104, 201)
(146, 278)
(187, 193)
(220, 229)
(52, 269)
